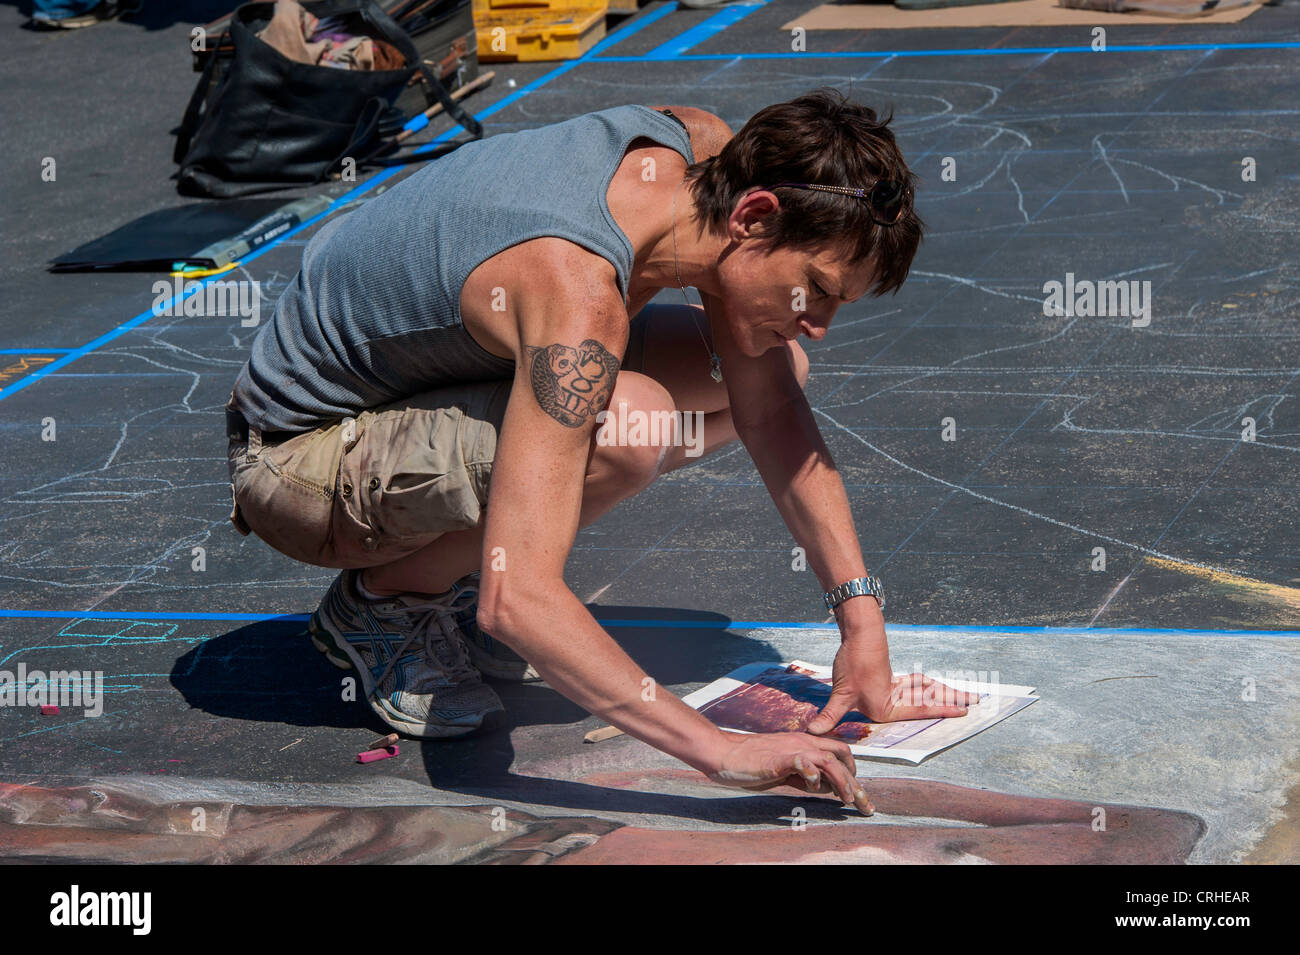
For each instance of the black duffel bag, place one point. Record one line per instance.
(271, 123)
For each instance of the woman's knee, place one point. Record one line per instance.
(635, 432)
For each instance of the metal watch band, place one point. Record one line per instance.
(857, 587)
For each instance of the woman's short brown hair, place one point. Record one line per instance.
(822, 137)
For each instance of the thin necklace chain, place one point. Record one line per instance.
(715, 363)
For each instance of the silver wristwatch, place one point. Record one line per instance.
(857, 587)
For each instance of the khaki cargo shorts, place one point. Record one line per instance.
(367, 490)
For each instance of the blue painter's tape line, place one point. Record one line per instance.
(655, 56)
(1093, 631)
(76, 353)
(651, 622)
(706, 30)
(145, 615)
(943, 628)
(636, 26)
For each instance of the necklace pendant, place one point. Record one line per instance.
(715, 368)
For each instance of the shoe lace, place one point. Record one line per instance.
(445, 643)
(468, 591)
(436, 628)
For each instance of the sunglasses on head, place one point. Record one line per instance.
(886, 198)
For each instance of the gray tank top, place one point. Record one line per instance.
(374, 313)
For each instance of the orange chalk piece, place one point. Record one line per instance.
(370, 755)
(384, 742)
(48, 710)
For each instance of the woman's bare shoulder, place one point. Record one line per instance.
(709, 133)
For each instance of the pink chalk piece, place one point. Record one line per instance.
(370, 755)
(49, 710)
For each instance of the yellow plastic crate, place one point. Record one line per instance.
(551, 5)
(514, 30)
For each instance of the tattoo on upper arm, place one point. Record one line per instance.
(573, 384)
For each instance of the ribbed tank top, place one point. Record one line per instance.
(374, 313)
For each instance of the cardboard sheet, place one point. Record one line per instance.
(1019, 13)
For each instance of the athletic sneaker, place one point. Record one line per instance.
(492, 657)
(414, 666)
(106, 10)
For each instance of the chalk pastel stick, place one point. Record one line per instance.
(370, 755)
(384, 742)
(48, 710)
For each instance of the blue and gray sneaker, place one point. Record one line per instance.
(492, 657)
(414, 666)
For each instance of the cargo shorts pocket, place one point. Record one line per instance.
(407, 477)
(311, 460)
(286, 494)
